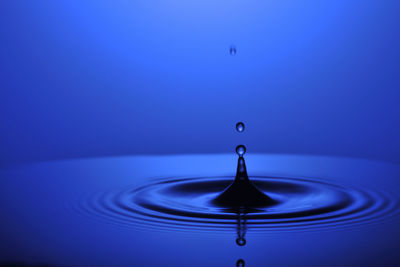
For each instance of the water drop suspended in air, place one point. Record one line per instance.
(232, 50)
(240, 150)
(240, 127)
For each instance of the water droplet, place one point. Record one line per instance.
(240, 127)
(232, 50)
(240, 241)
(240, 150)
(240, 263)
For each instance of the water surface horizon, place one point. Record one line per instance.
(125, 210)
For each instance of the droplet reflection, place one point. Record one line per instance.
(240, 263)
(241, 229)
(241, 241)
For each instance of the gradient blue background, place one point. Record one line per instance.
(92, 78)
(98, 78)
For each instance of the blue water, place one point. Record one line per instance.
(97, 212)
(93, 93)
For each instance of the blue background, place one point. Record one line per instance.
(92, 78)
(98, 78)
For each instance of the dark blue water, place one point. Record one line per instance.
(159, 211)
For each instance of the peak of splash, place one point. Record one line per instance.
(242, 194)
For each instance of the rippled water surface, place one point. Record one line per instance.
(159, 211)
(186, 204)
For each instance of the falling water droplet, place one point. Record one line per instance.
(241, 241)
(242, 193)
(232, 50)
(240, 263)
(240, 150)
(240, 127)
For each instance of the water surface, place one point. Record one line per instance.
(158, 211)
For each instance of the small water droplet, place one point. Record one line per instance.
(240, 127)
(240, 263)
(240, 150)
(232, 50)
(240, 241)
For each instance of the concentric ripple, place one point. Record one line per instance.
(186, 204)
